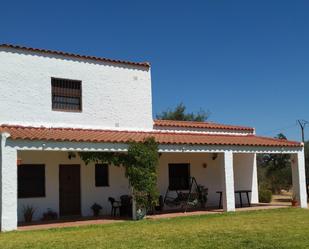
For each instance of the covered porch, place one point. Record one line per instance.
(223, 167)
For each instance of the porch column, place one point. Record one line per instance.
(254, 188)
(299, 178)
(8, 185)
(133, 205)
(228, 182)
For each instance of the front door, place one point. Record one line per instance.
(69, 190)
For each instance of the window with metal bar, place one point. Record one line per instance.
(66, 95)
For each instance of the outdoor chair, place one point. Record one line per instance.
(115, 205)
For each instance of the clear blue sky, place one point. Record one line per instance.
(245, 61)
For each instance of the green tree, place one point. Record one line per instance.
(275, 170)
(140, 163)
(179, 113)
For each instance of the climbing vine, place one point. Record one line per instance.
(140, 163)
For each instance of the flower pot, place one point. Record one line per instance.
(96, 209)
(28, 219)
(294, 203)
(96, 213)
(140, 213)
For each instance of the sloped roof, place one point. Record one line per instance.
(205, 125)
(113, 136)
(88, 57)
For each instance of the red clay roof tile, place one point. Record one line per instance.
(47, 51)
(205, 125)
(112, 136)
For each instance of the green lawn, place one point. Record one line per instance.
(280, 228)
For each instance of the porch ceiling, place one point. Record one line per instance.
(163, 138)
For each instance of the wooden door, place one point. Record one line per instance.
(69, 190)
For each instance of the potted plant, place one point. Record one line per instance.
(96, 209)
(143, 202)
(50, 215)
(28, 212)
(140, 213)
(294, 201)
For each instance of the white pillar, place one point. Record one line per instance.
(8, 185)
(134, 209)
(133, 205)
(254, 187)
(299, 178)
(228, 182)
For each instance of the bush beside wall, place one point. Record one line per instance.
(265, 195)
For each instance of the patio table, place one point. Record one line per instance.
(239, 192)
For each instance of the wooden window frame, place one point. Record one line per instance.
(64, 109)
(30, 195)
(107, 175)
(179, 165)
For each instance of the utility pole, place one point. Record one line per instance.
(302, 123)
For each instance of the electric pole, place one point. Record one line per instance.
(302, 123)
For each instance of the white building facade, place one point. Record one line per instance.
(54, 103)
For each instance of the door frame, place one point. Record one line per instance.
(79, 190)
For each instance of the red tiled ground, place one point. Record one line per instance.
(69, 223)
(108, 220)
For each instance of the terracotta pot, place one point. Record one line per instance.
(96, 213)
(294, 203)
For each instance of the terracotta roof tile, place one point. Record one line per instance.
(47, 51)
(205, 125)
(112, 136)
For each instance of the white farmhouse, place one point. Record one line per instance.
(53, 103)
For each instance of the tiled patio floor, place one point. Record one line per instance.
(214, 211)
(69, 223)
(106, 220)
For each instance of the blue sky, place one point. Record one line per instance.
(247, 62)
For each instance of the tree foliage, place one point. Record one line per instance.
(275, 170)
(140, 163)
(179, 113)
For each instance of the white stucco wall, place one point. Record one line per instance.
(245, 176)
(114, 96)
(210, 177)
(8, 185)
(89, 192)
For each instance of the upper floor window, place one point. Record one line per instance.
(66, 95)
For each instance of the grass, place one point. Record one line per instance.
(279, 228)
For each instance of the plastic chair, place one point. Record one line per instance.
(115, 205)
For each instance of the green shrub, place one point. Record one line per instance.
(265, 195)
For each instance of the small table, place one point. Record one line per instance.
(239, 192)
